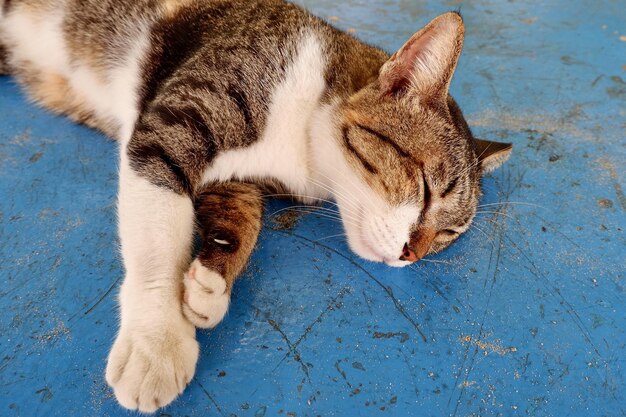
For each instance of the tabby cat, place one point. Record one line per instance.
(215, 102)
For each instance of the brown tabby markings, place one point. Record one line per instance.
(229, 220)
(192, 94)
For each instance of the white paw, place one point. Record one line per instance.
(148, 370)
(205, 301)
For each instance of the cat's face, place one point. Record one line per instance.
(413, 179)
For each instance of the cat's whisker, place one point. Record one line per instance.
(435, 261)
(293, 208)
(321, 214)
(497, 224)
(327, 210)
(354, 184)
(348, 198)
(337, 219)
(472, 165)
(332, 192)
(347, 215)
(351, 210)
(499, 213)
(350, 192)
(477, 162)
(342, 222)
(506, 203)
(330, 237)
(323, 200)
(490, 238)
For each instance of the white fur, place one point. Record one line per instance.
(206, 300)
(155, 353)
(37, 39)
(282, 152)
(116, 97)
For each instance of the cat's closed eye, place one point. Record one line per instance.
(448, 233)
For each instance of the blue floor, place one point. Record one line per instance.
(524, 316)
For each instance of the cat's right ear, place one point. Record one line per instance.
(424, 66)
(492, 154)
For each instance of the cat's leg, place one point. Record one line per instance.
(155, 353)
(229, 220)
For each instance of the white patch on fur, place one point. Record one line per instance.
(155, 353)
(376, 231)
(387, 232)
(205, 299)
(116, 98)
(282, 152)
(37, 40)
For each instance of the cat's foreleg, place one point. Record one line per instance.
(155, 353)
(228, 216)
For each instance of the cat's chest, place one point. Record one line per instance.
(282, 151)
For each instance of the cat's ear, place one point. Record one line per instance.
(492, 154)
(425, 64)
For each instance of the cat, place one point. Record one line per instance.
(217, 103)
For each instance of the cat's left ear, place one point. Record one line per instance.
(492, 154)
(424, 66)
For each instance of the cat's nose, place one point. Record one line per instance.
(408, 254)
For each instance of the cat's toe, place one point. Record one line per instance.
(206, 299)
(149, 369)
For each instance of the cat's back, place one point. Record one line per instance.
(102, 61)
(226, 42)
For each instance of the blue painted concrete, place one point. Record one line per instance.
(524, 316)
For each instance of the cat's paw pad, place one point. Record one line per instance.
(148, 370)
(205, 300)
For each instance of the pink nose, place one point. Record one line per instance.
(408, 254)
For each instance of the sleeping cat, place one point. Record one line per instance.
(215, 103)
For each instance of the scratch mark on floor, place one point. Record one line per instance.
(99, 300)
(399, 307)
(293, 346)
(292, 350)
(342, 373)
(499, 229)
(210, 397)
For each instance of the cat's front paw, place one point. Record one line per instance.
(148, 370)
(206, 300)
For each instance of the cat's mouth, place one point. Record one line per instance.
(366, 249)
(373, 255)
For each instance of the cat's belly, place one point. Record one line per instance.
(283, 152)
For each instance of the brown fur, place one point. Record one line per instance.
(4, 64)
(229, 212)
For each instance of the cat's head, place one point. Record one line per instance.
(411, 178)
